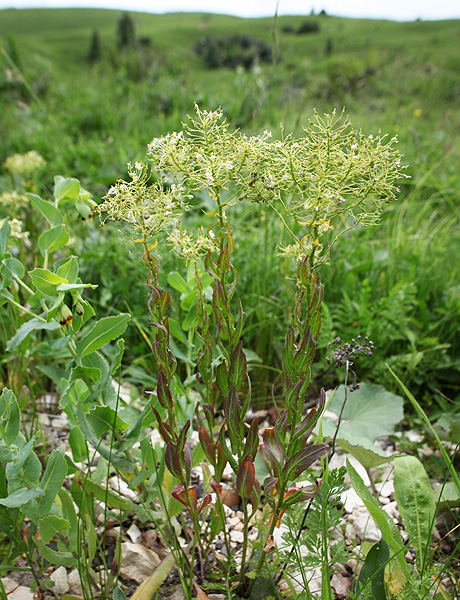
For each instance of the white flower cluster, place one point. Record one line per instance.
(150, 207)
(189, 247)
(24, 165)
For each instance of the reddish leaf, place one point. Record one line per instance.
(207, 445)
(245, 478)
(302, 460)
(252, 440)
(172, 461)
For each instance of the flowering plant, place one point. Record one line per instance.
(331, 180)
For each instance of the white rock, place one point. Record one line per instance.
(384, 500)
(364, 525)
(414, 436)
(392, 509)
(237, 536)
(14, 592)
(73, 579)
(137, 562)
(340, 460)
(350, 500)
(233, 521)
(61, 584)
(134, 533)
(121, 487)
(341, 585)
(387, 489)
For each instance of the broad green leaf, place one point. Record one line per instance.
(7, 454)
(27, 328)
(46, 282)
(90, 537)
(370, 412)
(191, 319)
(416, 503)
(116, 361)
(107, 496)
(67, 559)
(50, 526)
(373, 570)
(67, 189)
(15, 266)
(103, 418)
(4, 236)
(47, 209)
(189, 301)
(22, 468)
(78, 445)
(52, 239)
(368, 458)
(10, 414)
(176, 281)
(69, 513)
(102, 332)
(118, 594)
(51, 483)
(384, 522)
(69, 270)
(21, 497)
(176, 331)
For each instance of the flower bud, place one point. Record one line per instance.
(65, 316)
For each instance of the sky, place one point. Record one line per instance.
(398, 10)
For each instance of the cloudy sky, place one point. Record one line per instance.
(401, 10)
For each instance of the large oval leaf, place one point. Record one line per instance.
(102, 332)
(416, 503)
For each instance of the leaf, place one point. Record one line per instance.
(368, 458)
(151, 585)
(369, 413)
(301, 460)
(52, 239)
(69, 270)
(78, 445)
(107, 496)
(66, 189)
(117, 358)
(50, 526)
(66, 559)
(118, 594)
(176, 281)
(46, 282)
(373, 570)
(4, 236)
(21, 497)
(384, 522)
(51, 483)
(176, 331)
(416, 503)
(14, 266)
(102, 332)
(245, 478)
(27, 328)
(103, 418)
(47, 209)
(10, 416)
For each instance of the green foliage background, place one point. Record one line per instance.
(398, 284)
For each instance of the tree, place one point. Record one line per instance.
(94, 53)
(125, 32)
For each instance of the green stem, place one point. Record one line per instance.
(263, 555)
(23, 285)
(245, 540)
(25, 310)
